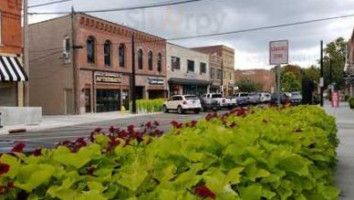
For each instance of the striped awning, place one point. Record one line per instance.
(11, 70)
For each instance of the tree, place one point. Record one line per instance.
(295, 69)
(246, 85)
(312, 73)
(335, 54)
(290, 83)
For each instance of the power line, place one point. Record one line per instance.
(163, 4)
(264, 27)
(49, 3)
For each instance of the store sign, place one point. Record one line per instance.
(156, 81)
(102, 77)
(190, 75)
(279, 52)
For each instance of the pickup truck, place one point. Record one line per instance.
(211, 99)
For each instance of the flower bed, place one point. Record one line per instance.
(251, 155)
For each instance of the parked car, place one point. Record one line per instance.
(209, 104)
(241, 98)
(182, 103)
(265, 97)
(223, 102)
(254, 98)
(284, 98)
(296, 98)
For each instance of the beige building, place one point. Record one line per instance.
(227, 56)
(187, 71)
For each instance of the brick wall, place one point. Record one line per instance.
(11, 31)
(265, 77)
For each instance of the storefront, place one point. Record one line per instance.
(108, 93)
(178, 86)
(11, 77)
(151, 87)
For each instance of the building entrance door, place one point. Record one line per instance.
(87, 100)
(108, 100)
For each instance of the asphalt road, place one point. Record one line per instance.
(52, 136)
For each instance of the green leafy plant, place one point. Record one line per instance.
(351, 103)
(154, 105)
(245, 154)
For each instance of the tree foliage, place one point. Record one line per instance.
(335, 53)
(246, 85)
(312, 73)
(290, 83)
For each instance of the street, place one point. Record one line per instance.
(52, 136)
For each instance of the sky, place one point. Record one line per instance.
(218, 16)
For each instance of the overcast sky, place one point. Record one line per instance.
(217, 16)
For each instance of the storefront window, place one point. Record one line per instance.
(8, 94)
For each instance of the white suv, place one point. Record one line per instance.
(182, 103)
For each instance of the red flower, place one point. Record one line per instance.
(176, 124)
(4, 168)
(37, 152)
(10, 185)
(233, 124)
(111, 129)
(1, 189)
(156, 123)
(130, 128)
(204, 192)
(18, 148)
(148, 125)
(98, 130)
(90, 171)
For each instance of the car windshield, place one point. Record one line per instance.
(244, 95)
(191, 97)
(214, 96)
(296, 93)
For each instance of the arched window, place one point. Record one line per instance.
(140, 59)
(90, 47)
(107, 53)
(150, 58)
(159, 62)
(121, 51)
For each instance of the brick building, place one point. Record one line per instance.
(227, 56)
(187, 71)
(12, 74)
(349, 68)
(94, 75)
(266, 78)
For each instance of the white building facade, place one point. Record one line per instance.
(188, 71)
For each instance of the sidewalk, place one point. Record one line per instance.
(58, 121)
(345, 169)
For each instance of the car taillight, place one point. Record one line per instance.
(184, 102)
(223, 100)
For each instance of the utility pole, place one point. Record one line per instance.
(278, 84)
(26, 51)
(322, 79)
(222, 76)
(133, 86)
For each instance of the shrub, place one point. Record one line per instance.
(260, 154)
(351, 103)
(154, 105)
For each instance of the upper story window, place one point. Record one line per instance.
(108, 53)
(0, 27)
(212, 71)
(159, 62)
(121, 52)
(203, 67)
(150, 59)
(140, 59)
(175, 63)
(219, 75)
(190, 66)
(90, 47)
(66, 45)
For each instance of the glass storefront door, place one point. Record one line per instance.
(108, 100)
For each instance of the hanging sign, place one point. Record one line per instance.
(279, 52)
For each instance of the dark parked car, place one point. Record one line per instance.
(284, 98)
(7, 145)
(296, 98)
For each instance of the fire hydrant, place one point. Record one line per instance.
(123, 111)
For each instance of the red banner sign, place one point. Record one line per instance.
(335, 99)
